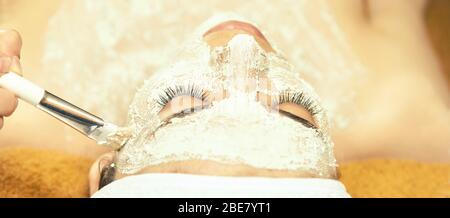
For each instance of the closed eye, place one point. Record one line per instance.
(299, 107)
(296, 106)
(306, 120)
(179, 101)
(180, 107)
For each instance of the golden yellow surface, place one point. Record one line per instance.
(386, 178)
(31, 172)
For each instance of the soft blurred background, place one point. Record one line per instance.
(339, 46)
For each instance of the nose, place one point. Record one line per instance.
(222, 33)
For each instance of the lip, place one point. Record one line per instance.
(236, 25)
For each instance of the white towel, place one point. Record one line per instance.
(165, 185)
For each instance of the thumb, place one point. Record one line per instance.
(10, 46)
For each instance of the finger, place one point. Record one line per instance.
(10, 64)
(8, 102)
(15, 66)
(5, 64)
(1, 122)
(10, 42)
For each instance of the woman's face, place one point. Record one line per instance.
(231, 102)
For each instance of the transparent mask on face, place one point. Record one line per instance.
(234, 128)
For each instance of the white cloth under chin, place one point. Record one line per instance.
(164, 185)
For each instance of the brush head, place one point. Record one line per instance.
(111, 135)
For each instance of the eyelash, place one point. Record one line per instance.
(300, 99)
(199, 93)
(181, 90)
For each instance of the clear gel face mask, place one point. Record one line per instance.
(234, 127)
